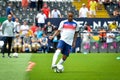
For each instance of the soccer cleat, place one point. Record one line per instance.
(54, 66)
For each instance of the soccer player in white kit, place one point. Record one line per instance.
(68, 30)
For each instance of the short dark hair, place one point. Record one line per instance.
(71, 12)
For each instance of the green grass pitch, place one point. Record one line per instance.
(102, 66)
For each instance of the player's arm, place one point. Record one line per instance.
(3, 27)
(57, 32)
(74, 40)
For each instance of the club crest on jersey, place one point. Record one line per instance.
(74, 25)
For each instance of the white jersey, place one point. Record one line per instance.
(41, 17)
(109, 39)
(83, 12)
(8, 28)
(24, 29)
(85, 36)
(68, 30)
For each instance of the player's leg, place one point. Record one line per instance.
(9, 46)
(60, 46)
(4, 46)
(62, 60)
(65, 52)
(15, 48)
(19, 48)
(55, 57)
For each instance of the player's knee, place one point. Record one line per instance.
(64, 57)
(58, 51)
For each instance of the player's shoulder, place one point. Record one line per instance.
(75, 21)
(6, 21)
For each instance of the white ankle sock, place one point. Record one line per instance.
(61, 61)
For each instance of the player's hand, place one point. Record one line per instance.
(50, 37)
(73, 45)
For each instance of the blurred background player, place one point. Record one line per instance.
(8, 32)
(68, 30)
(85, 45)
(113, 25)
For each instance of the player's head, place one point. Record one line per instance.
(70, 16)
(9, 17)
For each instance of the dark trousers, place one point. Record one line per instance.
(7, 40)
(39, 5)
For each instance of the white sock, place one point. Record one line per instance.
(55, 56)
(61, 61)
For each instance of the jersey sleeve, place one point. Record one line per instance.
(77, 27)
(3, 27)
(61, 25)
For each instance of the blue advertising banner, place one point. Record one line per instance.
(94, 22)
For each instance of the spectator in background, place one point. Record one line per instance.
(24, 29)
(41, 19)
(49, 28)
(102, 34)
(110, 36)
(118, 1)
(32, 4)
(39, 5)
(100, 4)
(24, 4)
(83, 12)
(35, 43)
(113, 25)
(17, 44)
(55, 13)
(106, 2)
(16, 26)
(88, 27)
(93, 8)
(9, 11)
(33, 28)
(27, 43)
(116, 13)
(39, 32)
(44, 43)
(46, 10)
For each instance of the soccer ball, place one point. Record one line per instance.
(60, 68)
(15, 55)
